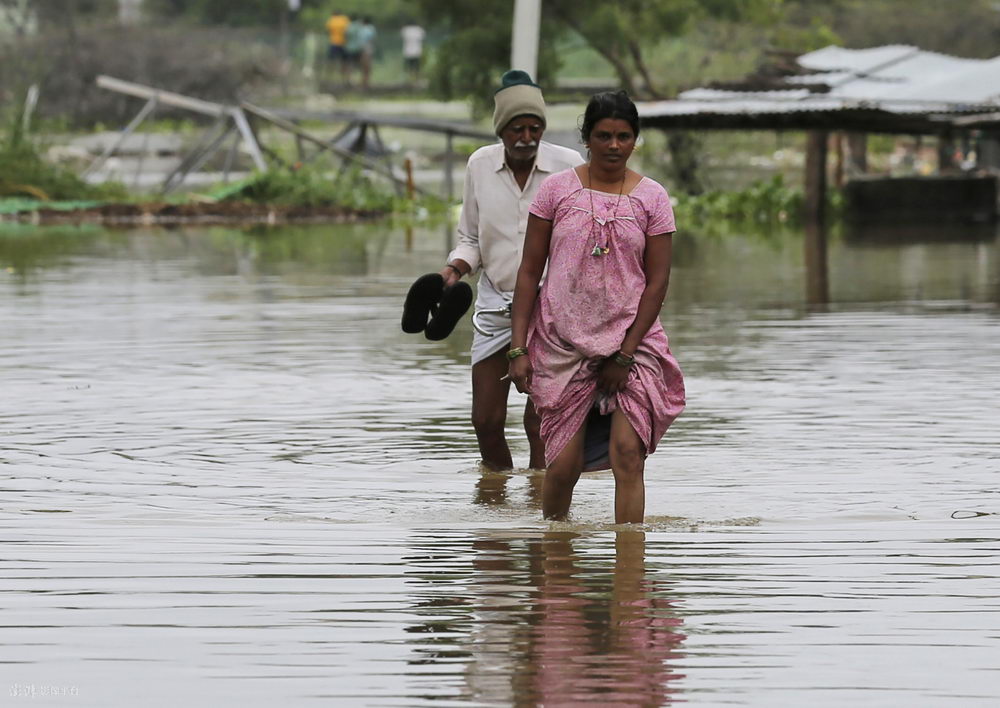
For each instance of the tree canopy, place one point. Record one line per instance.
(479, 35)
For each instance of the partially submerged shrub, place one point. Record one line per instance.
(313, 187)
(24, 173)
(762, 202)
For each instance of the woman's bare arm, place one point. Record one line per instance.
(533, 259)
(656, 264)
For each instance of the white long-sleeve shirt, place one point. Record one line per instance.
(495, 210)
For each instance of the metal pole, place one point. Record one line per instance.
(524, 36)
(197, 160)
(141, 116)
(30, 101)
(249, 139)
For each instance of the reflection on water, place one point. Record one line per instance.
(228, 478)
(538, 622)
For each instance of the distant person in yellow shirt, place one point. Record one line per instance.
(336, 53)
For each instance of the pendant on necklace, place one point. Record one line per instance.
(598, 251)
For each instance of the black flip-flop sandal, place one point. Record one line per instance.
(420, 302)
(455, 302)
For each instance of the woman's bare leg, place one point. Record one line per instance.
(532, 428)
(561, 477)
(628, 462)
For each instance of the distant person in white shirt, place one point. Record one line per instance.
(500, 183)
(413, 50)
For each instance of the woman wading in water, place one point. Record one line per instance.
(589, 347)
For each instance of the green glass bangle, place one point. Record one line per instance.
(623, 360)
(516, 352)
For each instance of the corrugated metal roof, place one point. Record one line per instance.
(854, 60)
(978, 84)
(894, 79)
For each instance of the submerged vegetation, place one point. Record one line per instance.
(31, 184)
(766, 202)
(306, 186)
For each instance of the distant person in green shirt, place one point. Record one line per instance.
(366, 33)
(353, 44)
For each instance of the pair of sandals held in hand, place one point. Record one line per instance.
(432, 308)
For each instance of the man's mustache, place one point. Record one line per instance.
(519, 144)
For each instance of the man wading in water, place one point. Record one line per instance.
(500, 183)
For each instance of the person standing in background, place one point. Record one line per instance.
(352, 47)
(413, 49)
(366, 36)
(336, 27)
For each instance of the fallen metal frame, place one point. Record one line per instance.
(235, 121)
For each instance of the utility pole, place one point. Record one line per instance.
(524, 38)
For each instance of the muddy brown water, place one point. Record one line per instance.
(228, 478)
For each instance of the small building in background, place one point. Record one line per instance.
(839, 96)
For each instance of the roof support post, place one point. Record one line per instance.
(947, 148)
(857, 151)
(815, 197)
(817, 272)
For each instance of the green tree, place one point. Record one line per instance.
(220, 12)
(622, 32)
(969, 28)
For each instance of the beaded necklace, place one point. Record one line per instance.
(599, 250)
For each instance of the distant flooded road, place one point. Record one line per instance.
(228, 478)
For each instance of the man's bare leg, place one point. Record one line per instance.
(489, 410)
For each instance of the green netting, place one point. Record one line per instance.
(15, 205)
(227, 191)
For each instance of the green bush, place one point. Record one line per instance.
(24, 173)
(763, 202)
(310, 186)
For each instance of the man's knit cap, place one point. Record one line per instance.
(517, 96)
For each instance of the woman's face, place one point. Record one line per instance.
(611, 143)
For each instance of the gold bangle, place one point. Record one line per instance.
(516, 352)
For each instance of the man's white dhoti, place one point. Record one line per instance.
(488, 298)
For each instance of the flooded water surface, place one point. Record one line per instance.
(228, 478)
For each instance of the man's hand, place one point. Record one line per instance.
(454, 271)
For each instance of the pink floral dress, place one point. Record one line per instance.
(584, 307)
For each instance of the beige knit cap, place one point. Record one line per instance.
(517, 96)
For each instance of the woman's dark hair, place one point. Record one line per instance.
(611, 104)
